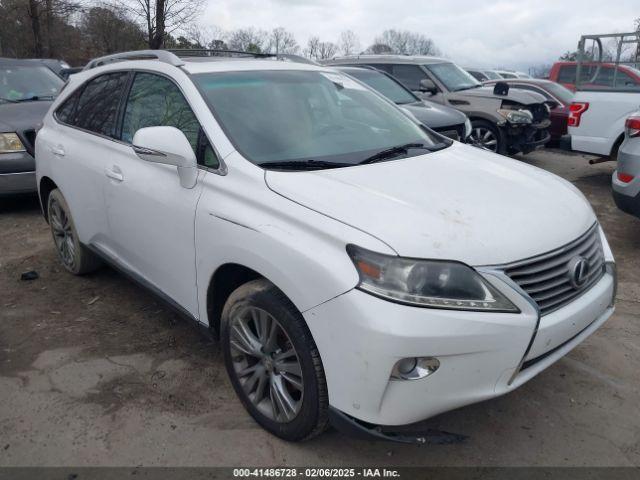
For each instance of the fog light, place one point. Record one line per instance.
(414, 368)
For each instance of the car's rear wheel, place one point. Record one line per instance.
(273, 362)
(487, 136)
(73, 255)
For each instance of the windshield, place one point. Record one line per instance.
(561, 92)
(452, 76)
(384, 85)
(288, 115)
(18, 82)
(492, 75)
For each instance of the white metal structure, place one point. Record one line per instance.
(431, 276)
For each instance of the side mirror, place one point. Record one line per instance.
(169, 146)
(427, 85)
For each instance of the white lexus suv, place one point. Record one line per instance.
(356, 266)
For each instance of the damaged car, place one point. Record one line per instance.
(504, 121)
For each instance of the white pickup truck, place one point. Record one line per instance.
(596, 120)
(603, 100)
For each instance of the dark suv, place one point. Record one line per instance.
(27, 89)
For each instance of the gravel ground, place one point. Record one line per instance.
(95, 371)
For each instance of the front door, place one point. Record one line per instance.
(151, 217)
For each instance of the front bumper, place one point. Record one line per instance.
(17, 183)
(361, 337)
(526, 139)
(17, 173)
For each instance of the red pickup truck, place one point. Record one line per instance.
(565, 74)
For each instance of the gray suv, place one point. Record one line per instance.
(503, 120)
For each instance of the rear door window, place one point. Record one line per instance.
(97, 106)
(409, 75)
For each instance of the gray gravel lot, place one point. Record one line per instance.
(95, 371)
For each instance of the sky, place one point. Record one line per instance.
(473, 33)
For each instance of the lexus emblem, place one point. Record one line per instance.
(578, 272)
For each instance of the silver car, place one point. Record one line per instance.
(626, 178)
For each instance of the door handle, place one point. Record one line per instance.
(57, 150)
(114, 173)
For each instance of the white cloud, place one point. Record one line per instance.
(499, 33)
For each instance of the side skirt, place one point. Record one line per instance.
(159, 294)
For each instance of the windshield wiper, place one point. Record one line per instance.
(304, 165)
(2, 99)
(395, 151)
(35, 98)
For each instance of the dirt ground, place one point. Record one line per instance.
(95, 371)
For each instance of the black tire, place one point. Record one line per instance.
(312, 417)
(481, 126)
(73, 255)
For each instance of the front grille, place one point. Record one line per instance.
(547, 278)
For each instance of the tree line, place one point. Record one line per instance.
(78, 30)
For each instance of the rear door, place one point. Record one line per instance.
(80, 142)
(151, 217)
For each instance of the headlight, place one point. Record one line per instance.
(467, 128)
(516, 116)
(426, 283)
(9, 142)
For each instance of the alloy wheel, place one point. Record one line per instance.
(266, 364)
(484, 138)
(62, 233)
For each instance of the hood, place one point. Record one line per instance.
(515, 94)
(22, 116)
(434, 115)
(460, 203)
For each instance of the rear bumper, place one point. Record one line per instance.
(17, 183)
(630, 205)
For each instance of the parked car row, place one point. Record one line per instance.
(482, 75)
(358, 268)
(504, 121)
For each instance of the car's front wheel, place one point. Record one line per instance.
(273, 362)
(487, 136)
(74, 256)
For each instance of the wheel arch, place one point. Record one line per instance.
(45, 188)
(226, 278)
(616, 145)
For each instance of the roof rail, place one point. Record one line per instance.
(207, 52)
(160, 55)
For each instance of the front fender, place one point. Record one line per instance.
(301, 251)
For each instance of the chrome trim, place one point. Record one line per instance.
(501, 275)
(543, 278)
(612, 270)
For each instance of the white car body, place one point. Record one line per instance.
(601, 127)
(459, 203)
